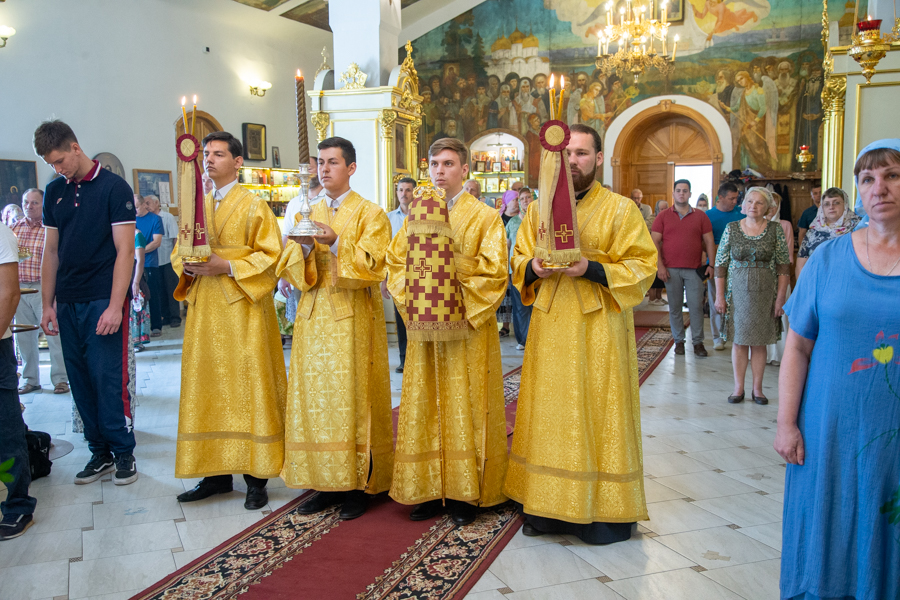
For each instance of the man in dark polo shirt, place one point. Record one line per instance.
(86, 273)
(809, 215)
(681, 234)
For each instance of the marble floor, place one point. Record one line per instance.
(714, 489)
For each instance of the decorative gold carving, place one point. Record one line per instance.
(665, 105)
(408, 83)
(320, 121)
(387, 118)
(414, 134)
(353, 78)
(324, 66)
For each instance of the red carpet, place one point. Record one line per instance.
(378, 556)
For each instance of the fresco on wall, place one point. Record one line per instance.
(756, 62)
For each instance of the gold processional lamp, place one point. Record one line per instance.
(868, 46)
(635, 33)
(193, 243)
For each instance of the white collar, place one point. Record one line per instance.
(452, 201)
(220, 193)
(335, 203)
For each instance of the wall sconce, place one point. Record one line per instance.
(259, 88)
(5, 34)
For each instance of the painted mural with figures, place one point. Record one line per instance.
(757, 62)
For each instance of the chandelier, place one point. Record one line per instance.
(868, 46)
(634, 34)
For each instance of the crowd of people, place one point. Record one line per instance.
(325, 424)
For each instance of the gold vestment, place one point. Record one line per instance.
(339, 400)
(233, 384)
(451, 436)
(576, 453)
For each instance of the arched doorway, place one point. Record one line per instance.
(205, 125)
(657, 139)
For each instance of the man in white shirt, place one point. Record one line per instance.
(397, 216)
(171, 308)
(472, 187)
(18, 506)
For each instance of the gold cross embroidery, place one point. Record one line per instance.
(564, 233)
(199, 232)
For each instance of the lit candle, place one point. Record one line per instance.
(621, 15)
(675, 48)
(194, 115)
(302, 132)
(562, 93)
(664, 7)
(600, 46)
(184, 113)
(552, 96)
(609, 13)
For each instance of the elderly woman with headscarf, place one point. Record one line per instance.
(776, 350)
(834, 219)
(752, 272)
(839, 408)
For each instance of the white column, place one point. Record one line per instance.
(365, 32)
(884, 10)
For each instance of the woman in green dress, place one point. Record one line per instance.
(753, 265)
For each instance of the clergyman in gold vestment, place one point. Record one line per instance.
(576, 464)
(451, 435)
(233, 383)
(339, 427)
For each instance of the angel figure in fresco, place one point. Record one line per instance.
(728, 20)
(751, 117)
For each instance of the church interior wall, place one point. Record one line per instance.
(118, 76)
(777, 44)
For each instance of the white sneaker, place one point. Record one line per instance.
(520, 347)
(719, 345)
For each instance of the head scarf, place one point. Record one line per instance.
(508, 196)
(844, 224)
(770, 201)
(889, 143)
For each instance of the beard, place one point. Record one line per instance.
(721, 85)
(582, 181)
(757, 77)
(314, 183)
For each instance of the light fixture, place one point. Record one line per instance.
(868, 46)
(635, 33)
(259, 88)
(5, 34)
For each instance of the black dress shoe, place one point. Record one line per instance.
(320, 502)
(257, 498)
(679, 348)
(462, 513)
(531, 531)
(399, 369)
(761, 400)
(354, 506)
(736, 399)
(426, 510)
(203, 490)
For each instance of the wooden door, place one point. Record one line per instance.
(653, 181)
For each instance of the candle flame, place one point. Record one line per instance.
(869, 18)
(298, 74)
(562, 81)
(195, 98)
(552, 80)
(676, 37)
(183, 100)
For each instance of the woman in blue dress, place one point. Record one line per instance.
(839, 404)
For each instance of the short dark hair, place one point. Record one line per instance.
(818, 184)
(582, 128)
(726, 188)
(408, 180)
(346, 146)
(234, 145)
(682, 181)
(53, 135)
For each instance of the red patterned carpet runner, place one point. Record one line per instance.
(382, 555)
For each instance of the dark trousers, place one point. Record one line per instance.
(12, 437)
(155, 282)
(97, 366)
(401, 335)
(224, 480)
(521, 316)
(171, 308)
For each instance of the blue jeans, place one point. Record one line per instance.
(97, 366)
(521, 316)
(12, 437)
(681, 283)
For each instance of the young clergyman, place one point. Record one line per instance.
(231, 413)
(451, 436)
(576, 464)
(339, 427)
